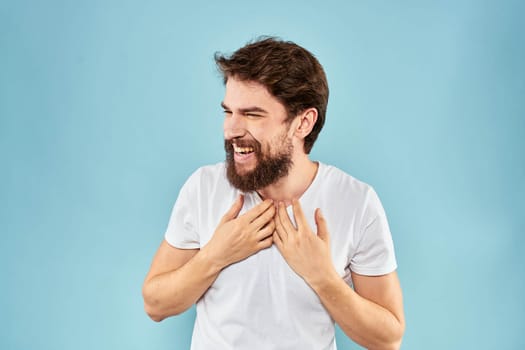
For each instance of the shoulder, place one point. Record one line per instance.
(349, 194)
(337, 180)
(211, 170)
(208, 180)
(208, 174)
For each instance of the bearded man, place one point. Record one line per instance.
(272, 246)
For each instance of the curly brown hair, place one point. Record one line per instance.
(289, 72)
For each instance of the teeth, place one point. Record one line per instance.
(238, 149)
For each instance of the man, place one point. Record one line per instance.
(272, 246)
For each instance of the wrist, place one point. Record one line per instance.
(212, 260)
(324, 280)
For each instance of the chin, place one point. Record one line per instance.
(242, 170)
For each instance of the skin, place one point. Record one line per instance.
(371, 314)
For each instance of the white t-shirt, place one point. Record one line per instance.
(260, 302)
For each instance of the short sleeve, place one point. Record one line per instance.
(374, 254)
(182, 230)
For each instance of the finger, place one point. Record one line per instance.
(234, 210)
(322, 229)
(285, 219)
(298, 214)
(277, 240)
(263, 219)
(253, 213)
(279, 229)
(266, 231)
(265, 243)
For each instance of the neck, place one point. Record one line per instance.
(299, 178)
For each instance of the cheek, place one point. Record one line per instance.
(257, 133)
(273, 143)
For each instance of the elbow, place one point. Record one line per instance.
(157, 313)
(393, 342)
(401, 332)
(151, 312)
(394, 345)
(398, 338)
(154, 308)
(151, 304)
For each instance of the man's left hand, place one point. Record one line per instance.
(306, 253)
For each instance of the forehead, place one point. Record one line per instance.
(242, 94)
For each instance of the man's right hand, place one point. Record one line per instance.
(238, 237)
(179, 277)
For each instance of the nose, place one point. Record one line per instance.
(234, 126)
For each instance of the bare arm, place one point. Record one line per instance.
(179, 277)
(372, 314)
(176, 280)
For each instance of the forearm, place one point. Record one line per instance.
(365, 322)
(173, 292)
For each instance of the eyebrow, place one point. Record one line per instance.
(246, 109)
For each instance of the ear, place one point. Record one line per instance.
(305, 122)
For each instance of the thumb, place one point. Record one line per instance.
(322, 229)
(234, 210)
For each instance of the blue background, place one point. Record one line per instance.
(107, 106)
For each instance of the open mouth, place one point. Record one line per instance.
(242, 150)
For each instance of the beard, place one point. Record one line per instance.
(268, 170)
